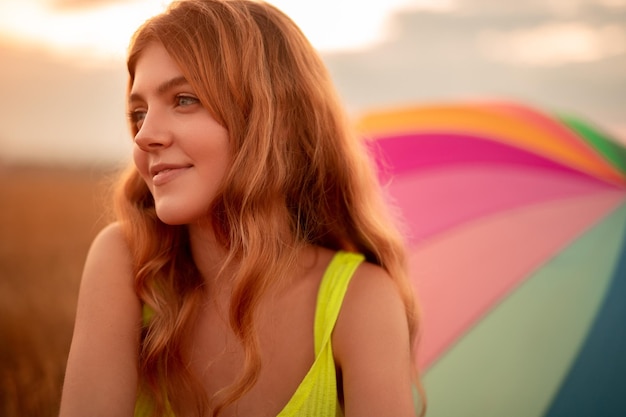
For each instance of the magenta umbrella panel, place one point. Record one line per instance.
(516, 222)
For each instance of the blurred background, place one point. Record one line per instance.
(63, 131)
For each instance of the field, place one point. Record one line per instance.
(48, 217)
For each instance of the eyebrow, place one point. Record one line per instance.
(162, 88)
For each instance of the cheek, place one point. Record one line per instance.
(141, 162)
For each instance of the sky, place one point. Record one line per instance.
(62, 76)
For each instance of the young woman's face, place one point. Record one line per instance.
(181, 152)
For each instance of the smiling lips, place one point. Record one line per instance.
(162, 174)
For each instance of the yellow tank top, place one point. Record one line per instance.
(316, 396)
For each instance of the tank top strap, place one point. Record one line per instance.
(331, 293)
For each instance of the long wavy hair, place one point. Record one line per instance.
(299, 176)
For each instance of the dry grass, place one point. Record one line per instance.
(48, 218)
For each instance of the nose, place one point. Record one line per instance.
(153, 133)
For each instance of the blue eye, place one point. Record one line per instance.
(136, 117)
(186, 100)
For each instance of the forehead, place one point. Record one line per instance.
(154, 66)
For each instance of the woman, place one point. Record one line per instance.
(253, 269)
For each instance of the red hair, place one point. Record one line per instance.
(299, 177)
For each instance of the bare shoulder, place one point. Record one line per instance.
(372, 284)
(108, 263)
(111, 241)
(101, 375)
(372, 299)
(107, 280)
(372, 348)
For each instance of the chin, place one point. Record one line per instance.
(178, 216)
(171, 221)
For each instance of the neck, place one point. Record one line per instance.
(210, 257)
(208, 254)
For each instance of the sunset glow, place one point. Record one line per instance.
(63, 76)
(100, 31)
(104, 30)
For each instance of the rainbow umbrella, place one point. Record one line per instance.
(517, 224)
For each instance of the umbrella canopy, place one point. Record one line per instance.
(516, 223)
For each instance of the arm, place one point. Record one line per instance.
(372, 349)
(101, 375)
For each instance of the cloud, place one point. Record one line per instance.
(553, 44)
(350, 24)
